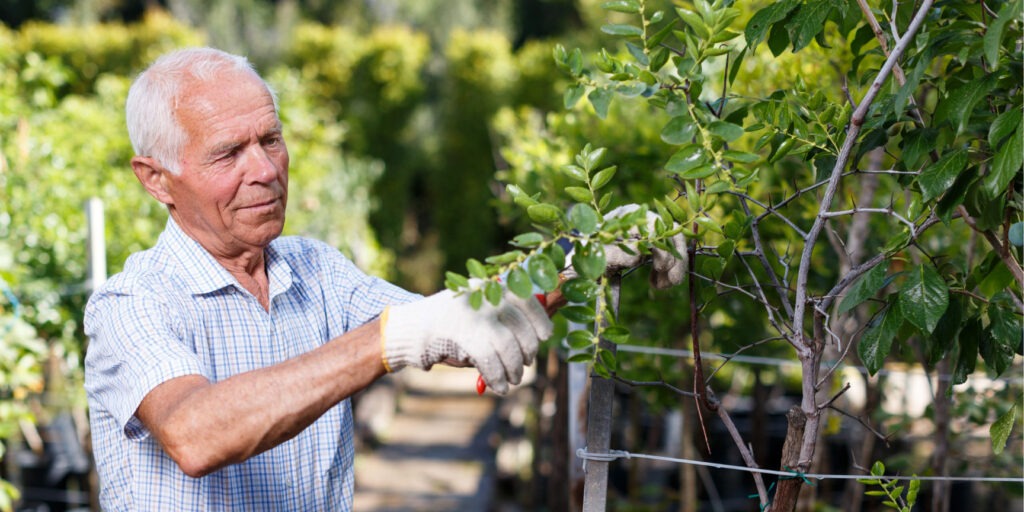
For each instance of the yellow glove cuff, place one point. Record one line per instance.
(383, 353)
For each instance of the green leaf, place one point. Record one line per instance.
(580, 339)
(542, 272)
(505, 258)
(580, 194)
(626, 6)
(865, 288)
(521, 198)
(924, 298)
(580, 290)
(699, 173)
(528, 240)
(616, 334)
(958, 106)
(476, 269)
(578, 314)
(492, 291)
(600, 99)
(556, 254)
(997, 355)
(708, 224)
(938, 177)
(602, 177)
(607, 358)
(1005, 124)
(878, 468)
(589, 260)
(994, 33)
(1005, 166)
(590, 159)
(1005, 335)
(688, 157)
(476, 299)
(544, 213)
(454, 281)
(916, 145)
(968, 356)
(807, 22)
(727, 131)
(583, 218)
(580, 358)
(956, 194)
(575, 172)
(519, 282)
(572, 95)
(762, 21)
(624, 30)
(875, 344)
(679, 130)
(695, 22)
(1000, 430)
(740, 157)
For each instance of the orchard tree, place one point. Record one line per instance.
(871, 211)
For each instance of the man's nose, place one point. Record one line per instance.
(260, 167)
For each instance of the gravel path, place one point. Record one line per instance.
(436, 453)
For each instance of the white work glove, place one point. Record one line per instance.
(667, 269)
(498, 340)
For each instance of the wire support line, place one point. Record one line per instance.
(774, 361)
(613, 455)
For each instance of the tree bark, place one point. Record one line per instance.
(787, 490)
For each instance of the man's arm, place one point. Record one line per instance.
(204, 426)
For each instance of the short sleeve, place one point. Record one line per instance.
(133, 347)
(354, 296)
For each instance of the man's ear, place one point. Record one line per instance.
(153, 177)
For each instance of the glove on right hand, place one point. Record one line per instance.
(498, 340)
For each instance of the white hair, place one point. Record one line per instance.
(153, 128)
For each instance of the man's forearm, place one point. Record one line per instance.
(205, 426)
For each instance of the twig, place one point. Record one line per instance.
(884, 438)
(737, 439)
(652, 384)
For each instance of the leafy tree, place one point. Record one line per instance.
(871, 208)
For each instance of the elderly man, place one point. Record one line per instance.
(221, 361)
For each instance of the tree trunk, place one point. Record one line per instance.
(788, 489)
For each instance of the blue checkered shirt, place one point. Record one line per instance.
(175, 311)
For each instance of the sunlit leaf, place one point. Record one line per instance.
(1001, 429)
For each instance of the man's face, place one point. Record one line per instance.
(233, 186)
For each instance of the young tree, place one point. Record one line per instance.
(880, 217)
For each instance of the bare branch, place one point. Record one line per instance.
(879, 435)
(737, 439)
(769, 210)
(888, 211)
(652, 384)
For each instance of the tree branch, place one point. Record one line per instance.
(803, 273)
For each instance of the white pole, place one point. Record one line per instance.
(97, 244)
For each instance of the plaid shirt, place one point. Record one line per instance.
(175, 311)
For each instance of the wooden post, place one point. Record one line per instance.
(599, 425)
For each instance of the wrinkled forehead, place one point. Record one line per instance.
(208, 93)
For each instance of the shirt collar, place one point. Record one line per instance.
(201, 273)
